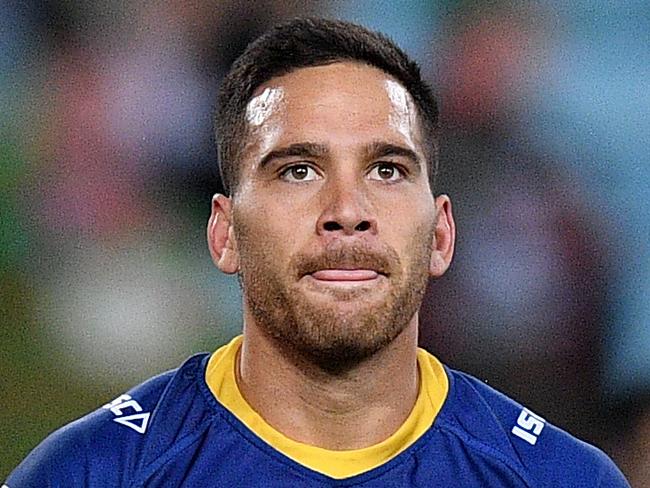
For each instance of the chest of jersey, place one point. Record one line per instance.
(227, 455)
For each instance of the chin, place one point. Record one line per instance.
(339, 337)
(339, 353)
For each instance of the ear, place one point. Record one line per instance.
(221, 237)
(442, 247)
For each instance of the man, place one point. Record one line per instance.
(327, 139)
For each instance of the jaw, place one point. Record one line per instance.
(334, 326)
(336, 322)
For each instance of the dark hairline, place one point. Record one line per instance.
(382, 53)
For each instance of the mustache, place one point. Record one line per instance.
(384, 260)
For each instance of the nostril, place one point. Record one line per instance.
(362, 226)
(332, 226)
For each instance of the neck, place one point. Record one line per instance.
(351, 410)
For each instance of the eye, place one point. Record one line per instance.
(385, 172)
(299, 172)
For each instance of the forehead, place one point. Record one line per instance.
(344, 98)
(311, 80)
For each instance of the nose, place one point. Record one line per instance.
(347, 212)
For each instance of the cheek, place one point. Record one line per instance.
(409, 232)
(270, 230)
(406, 208)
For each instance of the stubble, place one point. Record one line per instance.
(325, 336)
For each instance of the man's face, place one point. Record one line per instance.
(333, 217)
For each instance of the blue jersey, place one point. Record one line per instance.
(171, 431)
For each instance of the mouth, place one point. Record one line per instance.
(351, 268)
(345, 275)
(344, 279)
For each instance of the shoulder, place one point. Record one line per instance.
(543, 453)
(104, 447)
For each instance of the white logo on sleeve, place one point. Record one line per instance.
(529, 426)
(137, 421)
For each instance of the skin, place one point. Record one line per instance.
(334, 242)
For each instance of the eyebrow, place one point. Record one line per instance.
(299, 149)
(373, 150)
(379, 149)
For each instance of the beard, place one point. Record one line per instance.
(320, 333)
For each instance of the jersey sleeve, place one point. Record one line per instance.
(98, 450)
(59, 461)
(541, 452)
(101, 449)
(611, 476)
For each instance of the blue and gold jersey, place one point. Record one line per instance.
(191, 427)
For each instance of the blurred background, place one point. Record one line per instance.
(108, 166)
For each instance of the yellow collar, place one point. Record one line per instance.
(434, 385)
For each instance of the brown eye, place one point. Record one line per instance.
(299, 172)
(385, 172)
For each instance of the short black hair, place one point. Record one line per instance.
(308, 42)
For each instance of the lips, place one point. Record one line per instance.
(349, 264)
(345, 275)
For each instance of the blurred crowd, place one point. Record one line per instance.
(108, 167)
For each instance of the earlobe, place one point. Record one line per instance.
(442, 249)
(221, 237)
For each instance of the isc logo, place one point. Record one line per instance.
(137, 421)
(529, 426)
